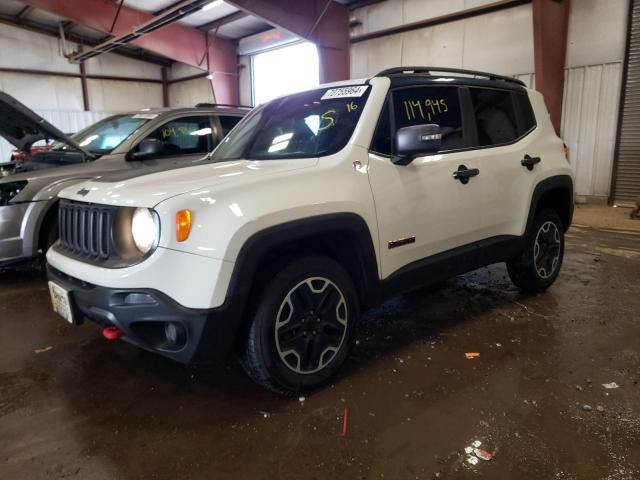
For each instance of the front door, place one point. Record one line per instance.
(422, 209)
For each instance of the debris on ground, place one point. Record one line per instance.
(345, 419)
(471, 355)
(475, 453)
(587, 408)
(265, 414)
(610, 386)
(482, 454)
(43, 350)
(301, 399)
(600, 408)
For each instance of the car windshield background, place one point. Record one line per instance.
(106, 135)
(304, 125)
(185, 136)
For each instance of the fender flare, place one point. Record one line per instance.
(557, 182)
(256, 247)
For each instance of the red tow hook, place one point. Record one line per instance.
(112, 333)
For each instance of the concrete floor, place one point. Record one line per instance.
(90, 409)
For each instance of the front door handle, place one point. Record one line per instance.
(464, 174)
(530, 162)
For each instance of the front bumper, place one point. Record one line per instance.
(204, 335)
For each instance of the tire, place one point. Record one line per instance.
(538, 265)
(297, 358)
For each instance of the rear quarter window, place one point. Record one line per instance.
(502, 116)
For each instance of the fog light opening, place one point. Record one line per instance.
(175, 333)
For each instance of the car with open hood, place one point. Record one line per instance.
(132, 143)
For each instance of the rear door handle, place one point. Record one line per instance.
(464, 174)
(530, 162)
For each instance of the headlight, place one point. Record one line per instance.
(8, 191)
(143, 229)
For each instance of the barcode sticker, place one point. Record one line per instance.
(345, 92)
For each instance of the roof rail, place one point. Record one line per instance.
(429, 70)
(209, 104)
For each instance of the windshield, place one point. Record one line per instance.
(103, 137)
(308, 124)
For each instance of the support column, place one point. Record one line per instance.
(550, 27)
(165, 88)
(85, 87)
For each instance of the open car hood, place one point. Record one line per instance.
(22, 127)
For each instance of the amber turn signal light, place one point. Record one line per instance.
(183, 225)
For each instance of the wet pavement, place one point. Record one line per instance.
(90, 409)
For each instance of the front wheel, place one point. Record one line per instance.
(303, 327)
(538, 265)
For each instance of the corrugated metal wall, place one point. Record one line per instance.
(589, 123)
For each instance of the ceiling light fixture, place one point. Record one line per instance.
(214, 4)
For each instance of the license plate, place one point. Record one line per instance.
(60, 301)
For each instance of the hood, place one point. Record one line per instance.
(22, 127)
(150, 190)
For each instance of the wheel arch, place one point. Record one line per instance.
(343, 236)
(555, 193)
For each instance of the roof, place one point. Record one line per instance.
(207, 108)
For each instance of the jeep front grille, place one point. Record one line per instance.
(85, 229)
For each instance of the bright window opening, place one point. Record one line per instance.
(284, 71)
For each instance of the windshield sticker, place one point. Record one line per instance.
(145, 116)
(344, 92)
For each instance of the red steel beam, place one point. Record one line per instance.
(176, 41)
(323, 22)
(550, 29)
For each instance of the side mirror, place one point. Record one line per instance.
(147, 149)
(415, 141)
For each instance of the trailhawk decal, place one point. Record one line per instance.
(345, 92)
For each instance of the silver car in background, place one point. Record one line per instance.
(133, 143)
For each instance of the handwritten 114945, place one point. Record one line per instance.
(425, 109)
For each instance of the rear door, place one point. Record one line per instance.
(422, 209)
(506, 131)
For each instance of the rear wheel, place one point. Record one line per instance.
(303, 327)
(538, 265)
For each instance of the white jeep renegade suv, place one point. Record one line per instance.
(316, 206)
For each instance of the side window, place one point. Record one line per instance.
(185, 136)
(227, 123)
(429, 104)
(381, 142)
(495, 116)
